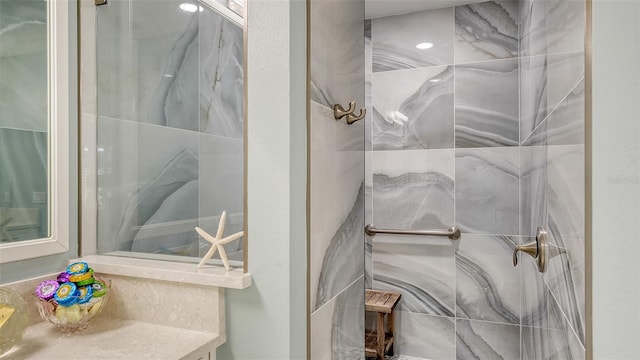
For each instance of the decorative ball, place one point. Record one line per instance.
(14, 319)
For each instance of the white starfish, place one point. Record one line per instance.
(218, 242)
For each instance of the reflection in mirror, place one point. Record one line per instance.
(170, 97)
(23, 120)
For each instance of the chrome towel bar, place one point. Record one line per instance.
(452, 233)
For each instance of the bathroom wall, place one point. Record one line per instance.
(615, 171)
(552, 101)
(23, 120)
(169, 127)
(269, 319)
(445, 134)
(336, 244)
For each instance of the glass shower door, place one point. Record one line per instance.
(169, 127)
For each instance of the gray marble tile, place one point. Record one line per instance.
(221, 188)
(486, 340)
(564, 72)
(487, 285)
(548, 344)
(368, 262)
(413, 109)
(394, 40)
(566, 274)
(565, 125)
(421, 269)
(343, 260)
(368, 120)
(567, 122)
(337, 327)
(566, 191)
(337, 209)
(23, 171)
(424, 336)
(486, 104)
(535, 294)
(565, 26)
(533, 27)
(337, 71)
(486, 31)
(533, 95)
(147, 188)
(149, 67)
(368, 214)
(413, 189)
(533, 189)
(487, 190)
(23, 65)
(368, 51)
(321, 331)
(347, 341)
(221, 80)
(539, 307)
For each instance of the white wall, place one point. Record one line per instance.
(268, 320)
(616, 179)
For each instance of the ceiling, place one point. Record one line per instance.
(381, 8)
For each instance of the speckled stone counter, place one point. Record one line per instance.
(156, 310)
(115, 339)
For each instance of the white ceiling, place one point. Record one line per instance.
(381, 8)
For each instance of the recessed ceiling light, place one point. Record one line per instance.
(425, 45)
(188, 7)
(435, 80)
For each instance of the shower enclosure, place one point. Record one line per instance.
(475, 118)
(168, 127)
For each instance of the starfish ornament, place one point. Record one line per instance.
(218, 242)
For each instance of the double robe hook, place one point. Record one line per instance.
(339, 112)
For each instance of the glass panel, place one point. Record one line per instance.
(23, 120)
(170, 128)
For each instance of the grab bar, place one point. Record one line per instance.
(452, 233)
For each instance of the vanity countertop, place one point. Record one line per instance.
(114, 339)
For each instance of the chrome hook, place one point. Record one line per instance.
(351, 118)
(339, 112)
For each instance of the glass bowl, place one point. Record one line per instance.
(74, 318)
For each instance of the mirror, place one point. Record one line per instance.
(23, 120)
(33, 128)
(170, 127)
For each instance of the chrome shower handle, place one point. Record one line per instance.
(537, 249)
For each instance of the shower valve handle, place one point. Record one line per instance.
(537, 249)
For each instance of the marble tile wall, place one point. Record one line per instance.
(169, 127)
(483, 130)
(552, 173)
(338, 187)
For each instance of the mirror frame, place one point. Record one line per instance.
(58, 154)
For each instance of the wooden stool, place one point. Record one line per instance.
(378, 342)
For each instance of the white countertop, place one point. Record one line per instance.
(112, 339)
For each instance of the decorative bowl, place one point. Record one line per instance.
(74, 318)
